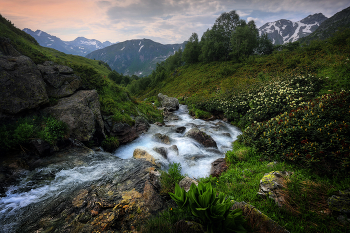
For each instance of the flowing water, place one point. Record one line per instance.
(46, 185)
(194, 158)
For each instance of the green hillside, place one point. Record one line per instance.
(292, 106)
(114, 99)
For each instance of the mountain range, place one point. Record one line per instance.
(330, 26)
(284, 31)
(80, 46)
(135, 57)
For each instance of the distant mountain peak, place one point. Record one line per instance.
(80, 46)
(284, 31)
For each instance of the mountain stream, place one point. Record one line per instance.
(53, 183)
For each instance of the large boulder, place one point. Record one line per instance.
(81, 112)
(170, 103)
(61, 80)
(201, 137)
(123, 131)
(21, 85)
(122, 198)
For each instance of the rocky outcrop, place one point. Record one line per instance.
(170, 103)
(122, 199)
(81, 112)
(186, 183)
(123, 131)
(21, 85)
(6, 48)
(61, 80)
(201, 137)
(218, 167)
(272, 184)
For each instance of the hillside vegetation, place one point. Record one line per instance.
(292, 104)
(114, 98)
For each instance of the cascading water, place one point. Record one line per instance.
(193, 157)
(57, 182)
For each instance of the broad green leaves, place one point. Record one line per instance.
(213, 211)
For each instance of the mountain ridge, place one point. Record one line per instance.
(283, 31)
(80, 46)
(135, 57)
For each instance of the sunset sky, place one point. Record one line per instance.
(164, 21)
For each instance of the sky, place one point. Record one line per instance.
(164, 21)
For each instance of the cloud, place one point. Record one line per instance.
(168, 21)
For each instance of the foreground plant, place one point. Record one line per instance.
(213, 211)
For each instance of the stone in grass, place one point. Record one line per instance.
(188, 226)
(340, 202)
(271, 186)
(257, 219)
(218, 167)
(186, 183)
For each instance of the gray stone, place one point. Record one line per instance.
(170, 103)
(162, 151)
(162, 138)
(21, 85)
(187, 182)
(201, 137)
(81, 112)
(272, 184)
(340, 202)
(260, 221)
(61, 80)
(175, 149)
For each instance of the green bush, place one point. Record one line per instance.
(110, 144)
(170, 178)
(314, 134)
(52, 130)
(23, 132)
(213, 211)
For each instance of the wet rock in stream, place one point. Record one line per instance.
(107, 194)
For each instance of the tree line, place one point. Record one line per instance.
(230, 38)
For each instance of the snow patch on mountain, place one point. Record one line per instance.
(140, 48)
(284, 31)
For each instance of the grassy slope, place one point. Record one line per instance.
(307, 209)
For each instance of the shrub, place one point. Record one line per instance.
(314, 134)
(170, 178)
(110, 144)
(52, 130)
